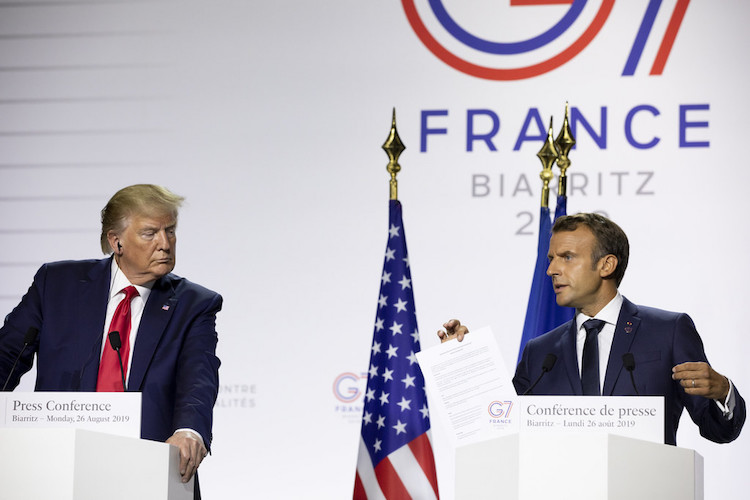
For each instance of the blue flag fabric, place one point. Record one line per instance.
(395, 456)
(542, 313)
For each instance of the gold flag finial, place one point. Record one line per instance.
(393, 147)
(547, 155)
(564, 142)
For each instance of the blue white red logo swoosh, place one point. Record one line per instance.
(488, 39)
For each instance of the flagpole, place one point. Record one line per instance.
(393, 147)
(547, 155)
(564, 143)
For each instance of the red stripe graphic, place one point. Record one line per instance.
(669, 37)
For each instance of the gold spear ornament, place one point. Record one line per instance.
(564, 142)
(393, 147)
(547, 155)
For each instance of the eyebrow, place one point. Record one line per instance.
(158, 228)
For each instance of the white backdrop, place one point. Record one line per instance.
(269, 116)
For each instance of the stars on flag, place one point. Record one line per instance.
(384, 398)
(424, 411)
(408, 381)
(400, 305)
(412, 358)
(400, 427)
(391, 352)
(404, 404)
(370, 394)
(383, 301)
(405, 283)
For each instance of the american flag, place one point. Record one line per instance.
(395, 453)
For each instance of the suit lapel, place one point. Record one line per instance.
(568, 349)
(625, 332)
(156, 315)
(93, 293)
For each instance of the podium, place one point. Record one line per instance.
(530, 466)
(76, 464)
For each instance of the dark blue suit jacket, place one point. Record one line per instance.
(174, 362)
(658, 341)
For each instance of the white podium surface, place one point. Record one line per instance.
(576, 466)
(64, 464)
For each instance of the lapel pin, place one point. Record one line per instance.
(165, 307)
(628, 327)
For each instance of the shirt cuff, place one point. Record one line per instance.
(727, 406)
(201, 437)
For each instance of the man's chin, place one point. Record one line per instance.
(161, 270)
(560, 300)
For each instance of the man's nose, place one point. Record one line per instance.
(551, 269)
(163, 240)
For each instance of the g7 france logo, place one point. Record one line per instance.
(500, 409)
(502, 40)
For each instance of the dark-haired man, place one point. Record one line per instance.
(588, 256)
(167, 323)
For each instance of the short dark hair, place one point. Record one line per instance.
(610, 239)
(139, 199)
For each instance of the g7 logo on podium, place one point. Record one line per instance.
(500, 409)
(480, 56)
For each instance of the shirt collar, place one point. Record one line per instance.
(608, 314)
(120, 281)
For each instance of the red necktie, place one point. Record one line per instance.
(110, 378)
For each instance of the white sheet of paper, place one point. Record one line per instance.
(460, 378)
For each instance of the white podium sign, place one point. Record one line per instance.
(638, 417)
(116, 413)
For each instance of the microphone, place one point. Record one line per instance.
(28, 339)
(549, 361)
(116, 343)
(628, 361)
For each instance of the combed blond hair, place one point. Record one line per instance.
(139, 199)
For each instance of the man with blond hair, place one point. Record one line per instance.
(166, 324)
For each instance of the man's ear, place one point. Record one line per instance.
(608, 264)
(113, 240)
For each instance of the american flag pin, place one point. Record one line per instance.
(165, 307)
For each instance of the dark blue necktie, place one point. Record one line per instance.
(590, 363)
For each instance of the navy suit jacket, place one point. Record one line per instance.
(174, 362)
(658, 341)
